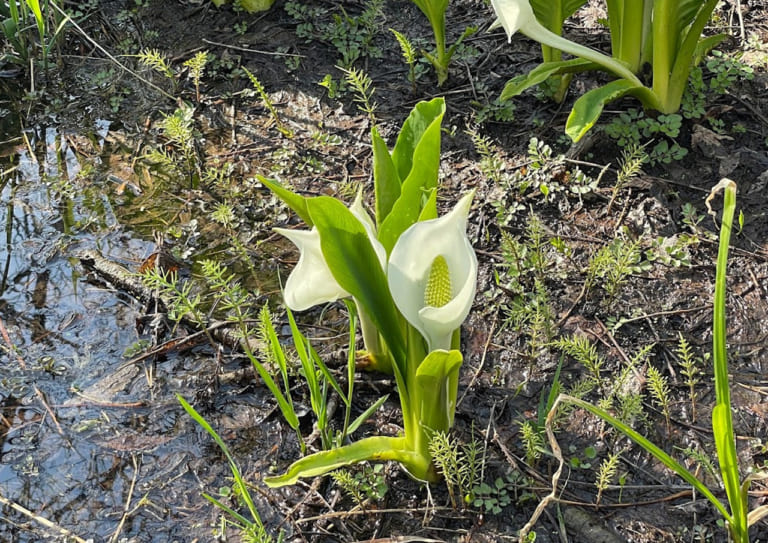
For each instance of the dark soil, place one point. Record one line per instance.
(118, 426)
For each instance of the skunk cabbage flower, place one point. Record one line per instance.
(311, 282)
(518, 16)
(513, 15)
(432, 275)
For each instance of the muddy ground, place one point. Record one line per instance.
(92, 437)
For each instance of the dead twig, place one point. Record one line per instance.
(127, 511)
(48, 409)
(41, 520)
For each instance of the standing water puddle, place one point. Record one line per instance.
(89, 440)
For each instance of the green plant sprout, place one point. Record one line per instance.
(412, 276)
(254, 529)
(435, 13)
(737, 516)
(196, 66)
(267, 101)
(409, 54)
(690, 370)
(361, 84)
(154, 59)
(606, 473)
(659, 389)
(365, 484)
(459, 463)
(663, 33)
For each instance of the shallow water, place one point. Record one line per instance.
(95, 444)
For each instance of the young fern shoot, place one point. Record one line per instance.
(267, 101)
(585, 352)
(659, 388)
(690, 370)
(196, 66)
(606, 474)
(154, 59)
(410, 55)
(362, 85)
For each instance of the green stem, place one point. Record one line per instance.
(536, 31)
(631, 34)
(663, 47)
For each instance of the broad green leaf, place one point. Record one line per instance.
(422, 178)
(377, 448)
(542, 72)
(589, 106)
(295, 201)
(355, 266)
(421, 118)
(658, 453)
(686, 11)
(552, 13)
(386, 180)
(436, 386)
(686, 52)
(434, 10)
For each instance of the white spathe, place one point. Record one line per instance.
(409, 266)
(311, 282)
(513, 15)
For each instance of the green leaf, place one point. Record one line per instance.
(542, 72)
(436, 386)
(423, 116)
(246, 496)
(386, 181)
(365, 415)
(684, 54)
(422, 178)
(722, 421)
(285, 404)
(589, 106)
(552, 13)
(295, 201)
(377, 448)
(355, 266)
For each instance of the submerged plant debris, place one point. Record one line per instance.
(136, 227)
